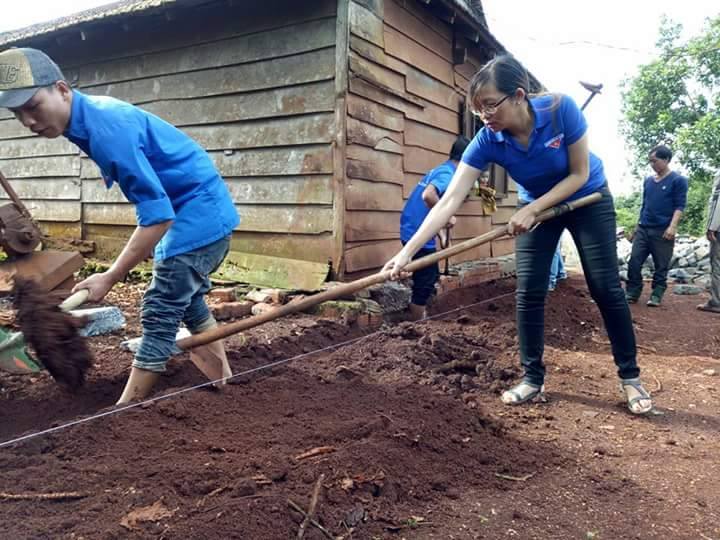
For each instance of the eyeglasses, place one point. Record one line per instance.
(485, 110)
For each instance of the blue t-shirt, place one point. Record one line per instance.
(162, 171)
(661, 199)
(546, 161)
(415, 210)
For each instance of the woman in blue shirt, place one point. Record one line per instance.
(542, 142)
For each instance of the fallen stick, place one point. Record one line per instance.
(456, 364)
(659, 385)
(70, 495)
(313, 522)
(311, 508)
(523, 478)
(320, 450)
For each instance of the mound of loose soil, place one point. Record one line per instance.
(404, 424)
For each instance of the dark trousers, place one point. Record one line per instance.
(649, 241)
(593, 230)
(423, 280)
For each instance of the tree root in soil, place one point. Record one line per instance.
(52, 333)
(311, 509)
(66, 496)
(523, 478)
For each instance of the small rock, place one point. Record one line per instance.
(453, 493)
(607, 427)
(259, 309)
(466, 382)
(245, 487)
(346, 374)
(259, 297)
(355, 516)
(710, 372)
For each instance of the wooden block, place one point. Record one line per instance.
(232, 310)
(223, 294)
(49, 268)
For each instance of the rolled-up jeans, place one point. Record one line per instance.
(593, 230)
(177, 294)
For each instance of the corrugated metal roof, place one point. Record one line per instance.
(470, 10)
(114, 9)
(473, 9)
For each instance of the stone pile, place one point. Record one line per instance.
(689, 268)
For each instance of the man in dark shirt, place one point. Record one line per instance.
(664, 198)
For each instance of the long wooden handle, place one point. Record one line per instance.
(346, 289)
(75, 300)
(13, 196)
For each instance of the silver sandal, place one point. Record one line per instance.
(643, 394)
(519, 394)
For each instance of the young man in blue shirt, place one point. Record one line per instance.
(664, 198)
(426, 195)
(184, 211)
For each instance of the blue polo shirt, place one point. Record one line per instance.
(661, 199)
(415, 210)
(545, 162)
(162, 171)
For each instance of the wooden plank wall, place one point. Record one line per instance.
(252, 82)
(404, 112)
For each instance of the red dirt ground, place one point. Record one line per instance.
(414, 453)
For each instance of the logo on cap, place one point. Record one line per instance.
(9, 73)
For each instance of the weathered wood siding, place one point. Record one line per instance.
(404, 112)
(253, 82)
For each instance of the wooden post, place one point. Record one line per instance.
(342, 48)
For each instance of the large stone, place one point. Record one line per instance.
(701, 241)
(702, 252)
(391, 295)
(680, 275)
(683, 251)
(702, 281)
(624, 247)
(687, 289)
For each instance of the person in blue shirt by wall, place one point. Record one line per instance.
(426, 195)
(542, 142)
(664, 199)
(184, 211)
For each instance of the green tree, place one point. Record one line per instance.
(675, 99)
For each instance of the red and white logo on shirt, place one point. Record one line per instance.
(555, 142)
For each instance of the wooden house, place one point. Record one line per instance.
(322, 115)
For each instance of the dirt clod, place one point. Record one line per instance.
(52, 333)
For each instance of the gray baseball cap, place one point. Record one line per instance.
(23, 71)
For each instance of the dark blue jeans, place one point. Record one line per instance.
(424, 280)
(593, 229)
(177, 294)
(649, 241)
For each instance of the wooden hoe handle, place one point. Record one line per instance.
(346, 289)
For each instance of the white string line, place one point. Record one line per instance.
(123, 408)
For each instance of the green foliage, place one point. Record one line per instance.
(628, 210)
(675, 99)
